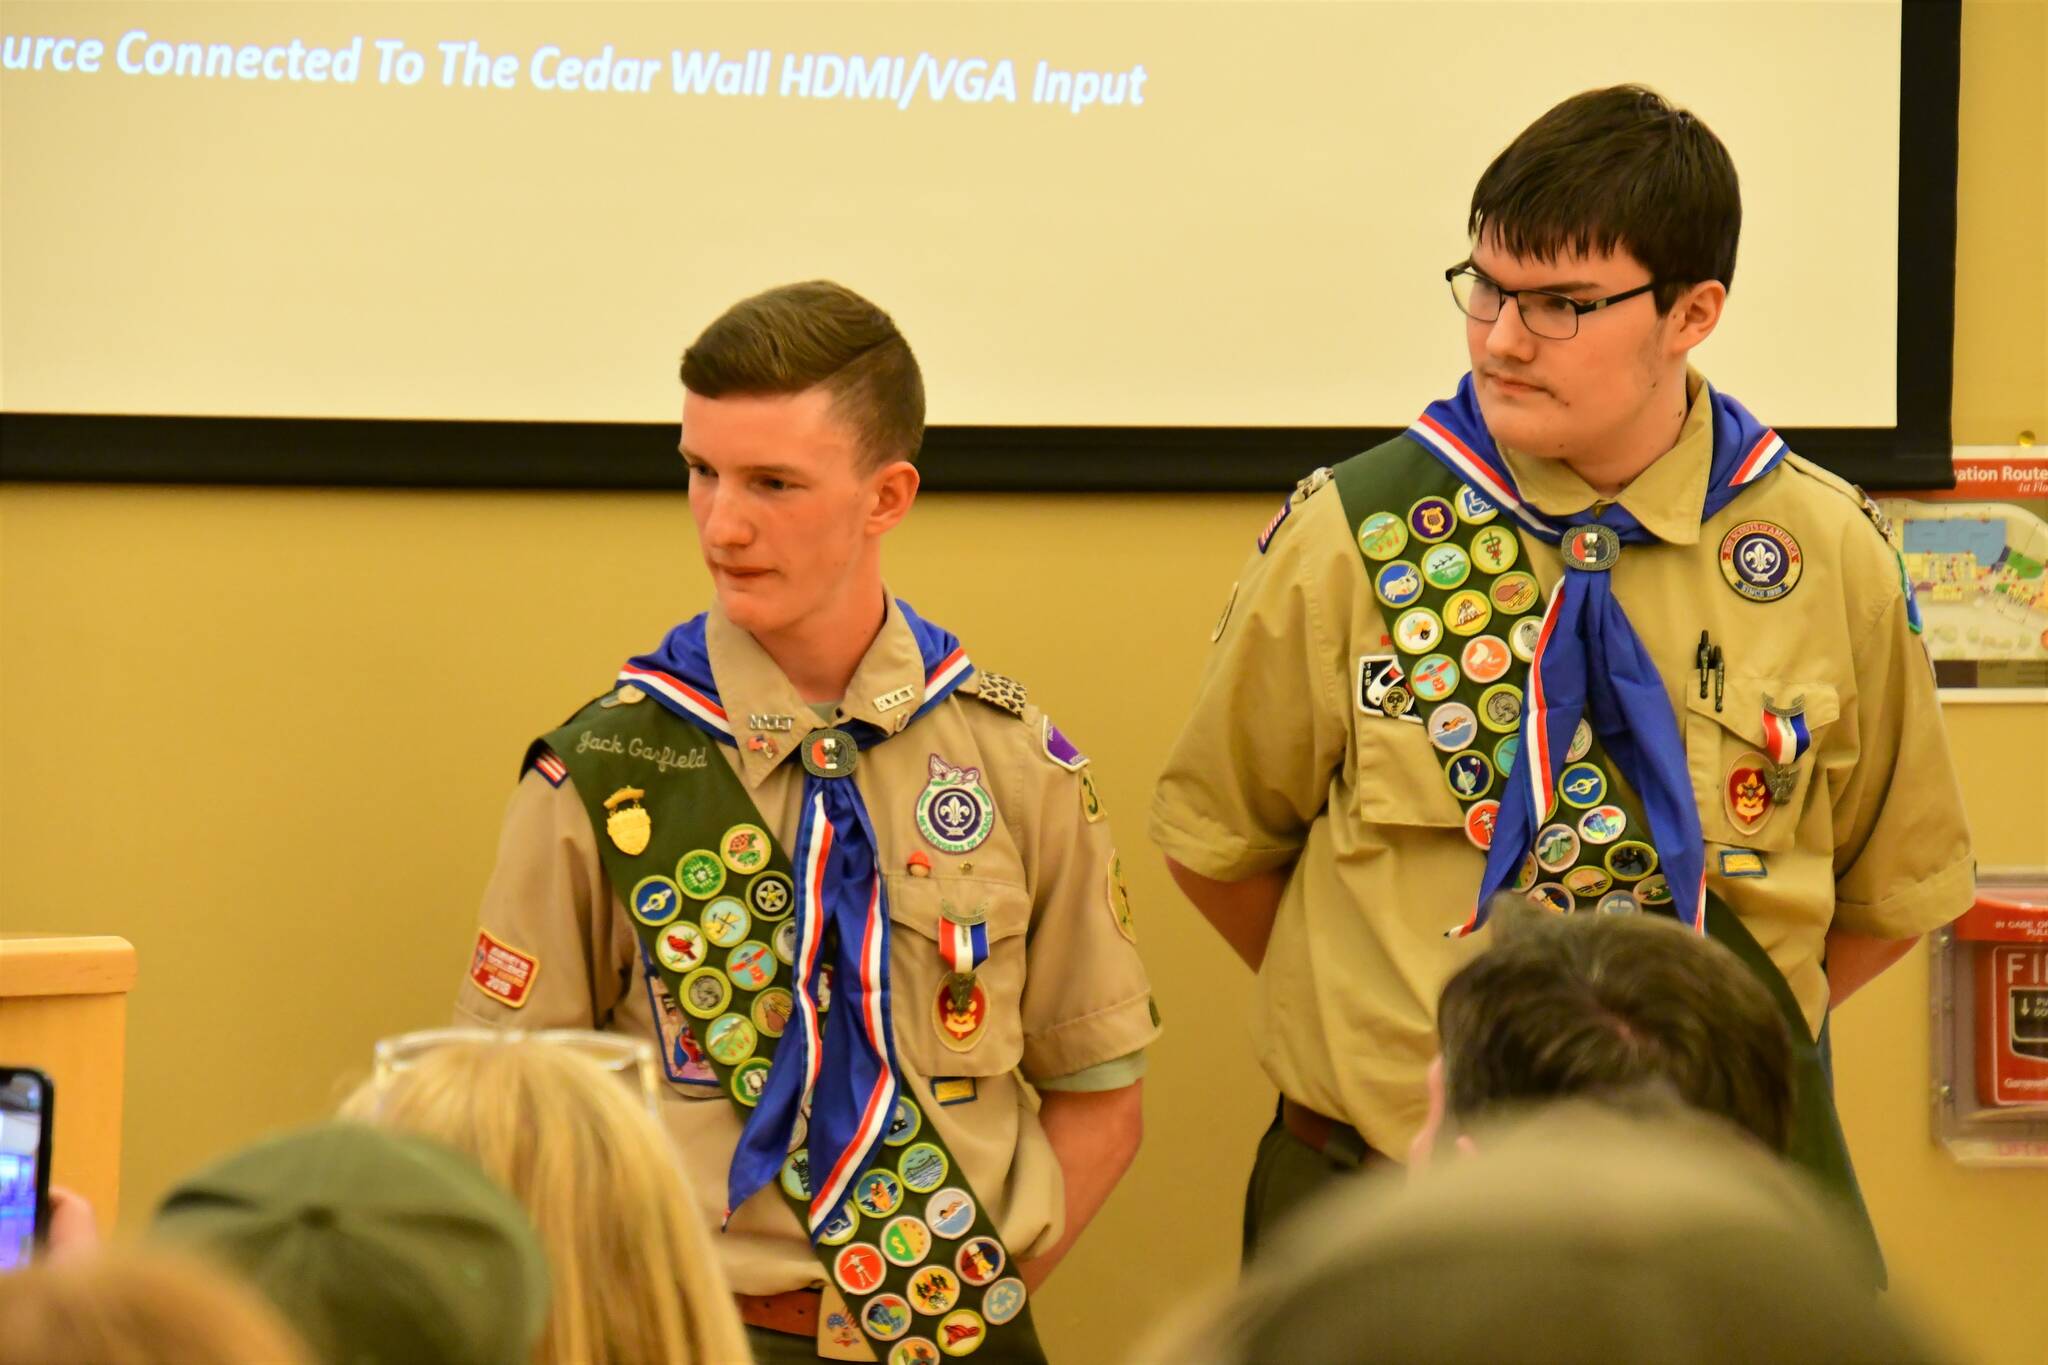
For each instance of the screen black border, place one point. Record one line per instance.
(1915, 453)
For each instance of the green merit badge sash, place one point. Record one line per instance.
(712, 899)
(1463, 614)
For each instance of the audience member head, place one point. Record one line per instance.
(1606, 1005)
(1576, 1234)
(138, 1308)
(635, 1274)
(380, 1248)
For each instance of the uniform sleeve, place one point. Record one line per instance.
(1087, 999)
(1903, 861)
(1252, 767)
(547, 952)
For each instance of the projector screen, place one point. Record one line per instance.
(1144, 215)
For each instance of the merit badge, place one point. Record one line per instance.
(950, 1213)
(960, 1014)
(886, 1317)
(501, 971)
(878, 1193)
(1500, 708)
(1552, 896)
(904, 1122)
(1472, 507)
(1397, 584)
(1653, 892)
(1480, 821)
(890, 700)
(1059, 748)
(1590, 548)
(1418, 630)
(838, 1230)
(784, 941)
(726, 922)
(954, 812)
(1582, 742)
(980, 1261)
(1431, 519)
(1435, 677)
(1526, 874)
(700, 873)
(1735, 862)
(751, 965)
(1749, 793)
(1452, 727)
(858, 1268)
(744, 848)
(1505, 753)
(1618, 903)
(1522, 637)
(1005, 1298)
(771, 895)
(1602, 824)
(934, 1290)
(1466, 612)
(924, 1168)
(1446, 566)
(1582, 786)
(654, 901)
(680, 947)
(906, 1240)
(916, 1351)
(1216, 633)
(1495, 549)
(1376, 673)
(1557, 848)
(1631, 860)
(1120, 900)
(1514, 593)
(1382, 536)
(730, 1039)
(1397, 702)
(1266, 536)
(1587, 881)
(1761, 561)
(771, 1011)
(1486, 659)
(749, 1079)
(1091, 800)
(796, 1174)
(1470, 776)
(829, 753)
(705, 993)
(961, 1332)
(628, 824)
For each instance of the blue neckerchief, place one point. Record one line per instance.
(833, 1085)
(1589, 659)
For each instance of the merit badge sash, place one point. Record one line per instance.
(781, 959)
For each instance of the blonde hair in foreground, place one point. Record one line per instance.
(137, 1308)
(635, 1276)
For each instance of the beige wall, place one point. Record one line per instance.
(266, 736)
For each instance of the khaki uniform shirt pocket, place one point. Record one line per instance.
(1400, 776)
(917, 974)
(1726, 755)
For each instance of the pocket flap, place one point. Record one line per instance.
(1742, 703)
(919, 903)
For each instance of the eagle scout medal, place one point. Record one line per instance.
(1470, 776)
(886, 1316)
(1631, 860)
(771, 1011)
(1472, 507)
(680, 947)
(1486, 659)
(1418, 630)
(924, 1168)
(1590, 548)
(960, 1013)
(1120, 900)
(1435, 677)
(1381, 536)
(655, 901)
(1749, 795)
(905, 1241)
(1514, 593)
(950, 1213)
(1761, 561)
(1003, 1300)
(730, 1039)
(934, 1290)
(1397, 584)
(627, 823)
(1446, 566)
(726, 922)
(980, 1261)
(1787, 737)
(1500, 708)
(1466, 612)
(700, 873)
(771, 895)
(1431, 519)
(1602, 824)
(961, 1332)
(1452, 727)
(1480, 821)
(954, 812)
(829, 753)
(744, 849)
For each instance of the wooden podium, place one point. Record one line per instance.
(64, 1011)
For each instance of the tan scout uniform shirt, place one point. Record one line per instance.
(1066, 989)
(1279, 764)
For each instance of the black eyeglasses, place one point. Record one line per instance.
(1555, 316)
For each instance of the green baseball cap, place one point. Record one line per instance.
(379, 1247)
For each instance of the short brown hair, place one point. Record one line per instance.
(140, 1308)
(799, 336)
(1602, 1005)
(1619, 167)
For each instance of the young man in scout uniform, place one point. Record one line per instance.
(806, 831)
(1586, 633)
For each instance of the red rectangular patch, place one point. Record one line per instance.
(501, 971)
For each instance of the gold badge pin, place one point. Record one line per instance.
(628, 823)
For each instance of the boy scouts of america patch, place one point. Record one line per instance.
(955, 812)
(501, 971)
(1761, 561)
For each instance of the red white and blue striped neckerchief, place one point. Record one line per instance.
(839, 1070)
(1589, 660)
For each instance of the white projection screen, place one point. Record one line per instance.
(1202, 242)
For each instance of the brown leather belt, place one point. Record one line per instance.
(1333, 1139)
(795, 1313)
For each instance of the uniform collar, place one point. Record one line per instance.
(1668, 498)
(886, 689)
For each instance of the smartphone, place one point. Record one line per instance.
(26, 1102)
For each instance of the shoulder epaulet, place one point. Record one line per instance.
(1876, 514)
(1311, 483)
(1003, 693)
(1305, 489)
(1835, 483)
(542, 757)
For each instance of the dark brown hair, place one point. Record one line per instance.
(1619, 167)
(800, 336)
(1604, 1004)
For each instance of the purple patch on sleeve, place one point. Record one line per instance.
(1060, 749)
